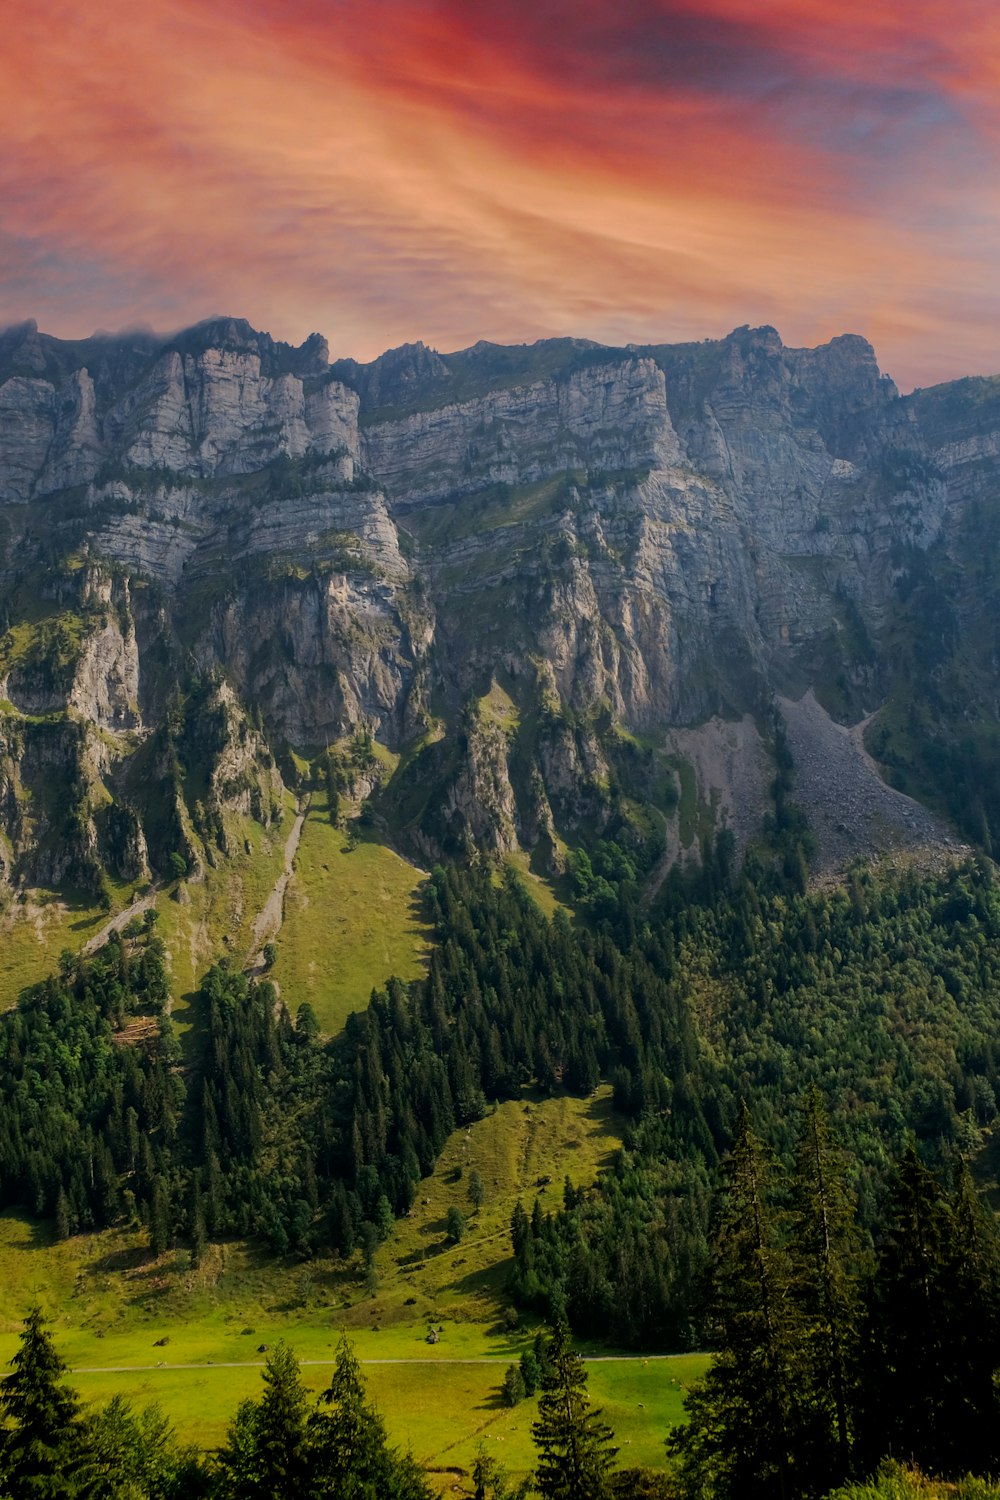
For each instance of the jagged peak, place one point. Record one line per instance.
(237, 335)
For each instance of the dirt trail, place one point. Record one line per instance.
(121, 920)
(440, 1359)
(267, 923)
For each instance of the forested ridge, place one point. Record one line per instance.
(711, 1010)
(885, 993)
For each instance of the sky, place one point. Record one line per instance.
(383, 171)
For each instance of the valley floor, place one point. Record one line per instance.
(111, 1307)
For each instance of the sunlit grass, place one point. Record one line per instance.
(111, 1305)
(352, 920)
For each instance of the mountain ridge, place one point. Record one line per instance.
(218, 550)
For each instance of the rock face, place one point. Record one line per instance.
(216, 550)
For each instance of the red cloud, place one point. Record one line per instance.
(399, 169)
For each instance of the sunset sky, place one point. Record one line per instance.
(387, 170)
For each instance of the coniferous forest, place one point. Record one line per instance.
(805, 1073)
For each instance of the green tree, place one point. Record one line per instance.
(825, 1255)
(930, 1392)
(353, 1458)
(267, 1456)
(476, 1189)
(41, 1437)
(454, 1225)
(575, 1452)
(134, 1455)
(738, 1437)
(531, 1372)
(512, 1390)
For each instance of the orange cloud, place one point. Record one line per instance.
(403, 169)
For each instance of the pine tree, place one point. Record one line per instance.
(132, 1454)
(267, 1456)
(824, 1262)
(352, 1456)
(575, 1449)
(40, 1443)
(974, 1419)
(738, 1439)
(929, 1393)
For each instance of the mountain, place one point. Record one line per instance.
(559, 593)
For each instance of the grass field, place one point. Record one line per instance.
(439, 1410)
(33, 933)
(110, 1305)
(352, 919)
(215, 915)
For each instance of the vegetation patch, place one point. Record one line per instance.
(352, 918)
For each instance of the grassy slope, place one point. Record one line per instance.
(352, 920)
(215, 915)
(111, 1304)
(35, 932)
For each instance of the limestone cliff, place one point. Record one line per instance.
(216, 550)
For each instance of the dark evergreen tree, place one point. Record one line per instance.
(134, 1455)
(740, 1436)
(353, 1458)
(267, 1454)
(825, 1258)
(41, 1441)
(575, 1451)
(930, 1392)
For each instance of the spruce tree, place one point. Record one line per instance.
(352, 1456)
(40, 1442)
(575, 1449)
(267, 1455)
(930, 1393)
(825, 1252)
(739, 1437)
(974, 1415)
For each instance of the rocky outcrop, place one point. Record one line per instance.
(218, 400)
(607, 416)
(218, 547)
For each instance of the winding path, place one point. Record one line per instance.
(267, 923)
(121, 919)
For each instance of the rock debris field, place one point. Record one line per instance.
(853, 813)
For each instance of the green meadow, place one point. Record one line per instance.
(35, 930)
(352, 920)
(112, 1305)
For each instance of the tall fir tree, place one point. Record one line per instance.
(267, 1456)
(353, 1458)
(930, 1392)
(975, 1293)
(576, 1453)
(825, 1257)
(41, 1441)
(740, 1434)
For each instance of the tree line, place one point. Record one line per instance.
(284, 1445)
(884, 993)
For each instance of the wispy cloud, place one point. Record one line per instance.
(402, 168)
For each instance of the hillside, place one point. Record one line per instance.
(434, 795)
(230, 571)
